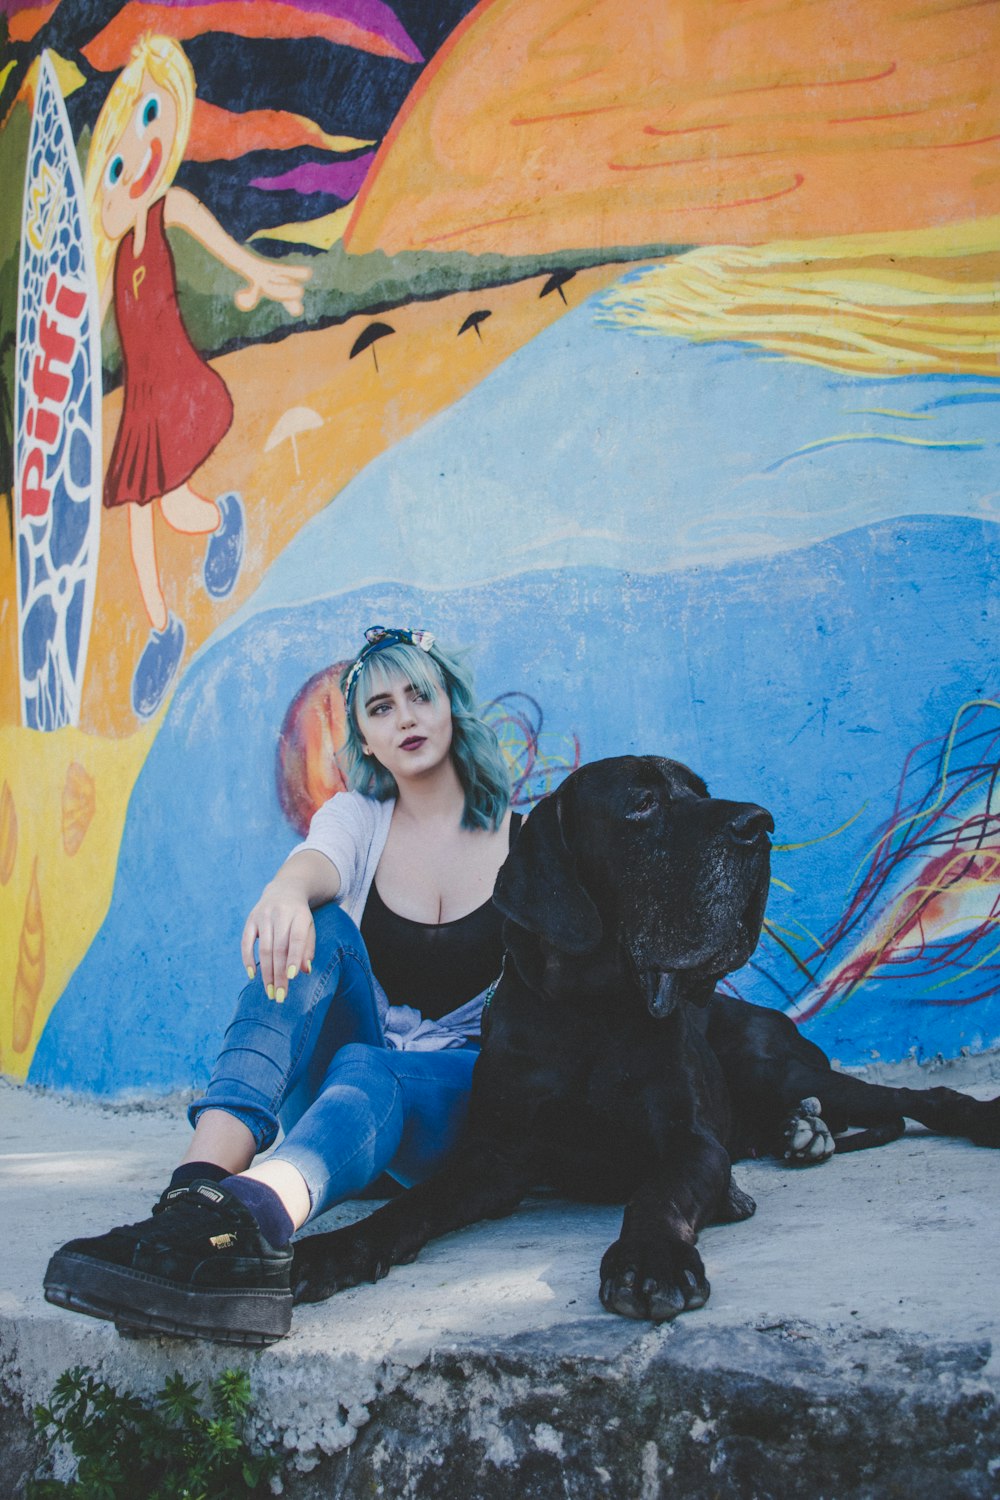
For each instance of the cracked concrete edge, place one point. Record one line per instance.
(782, 1412)
(787, 1410)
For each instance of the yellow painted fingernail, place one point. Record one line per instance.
(292, 971)
(251, 971)
(280, 996)
(307, 967)
(270, 992)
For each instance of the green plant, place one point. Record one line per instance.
(163, 1448)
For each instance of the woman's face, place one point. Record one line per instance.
(408, 732)
(133, 175)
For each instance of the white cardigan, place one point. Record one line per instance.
(351, 830)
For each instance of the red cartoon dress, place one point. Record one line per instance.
(175, 409)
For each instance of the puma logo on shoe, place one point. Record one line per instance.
(202, 1191)
(221, 1241)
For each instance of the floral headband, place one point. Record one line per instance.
(377, 638)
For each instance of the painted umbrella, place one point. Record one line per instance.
(369, 337)
(556, 282)
(473, 321)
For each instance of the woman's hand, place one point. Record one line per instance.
(281, 922)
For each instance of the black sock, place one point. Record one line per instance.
(266, 1207)
(189, 1170)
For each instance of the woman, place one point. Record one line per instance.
(362, 1076)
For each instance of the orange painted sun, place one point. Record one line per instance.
(545, 125)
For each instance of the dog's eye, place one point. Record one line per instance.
(643, 806)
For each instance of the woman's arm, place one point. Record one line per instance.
(266, 278)
(281, 922)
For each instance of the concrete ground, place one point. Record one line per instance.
(851, 1346)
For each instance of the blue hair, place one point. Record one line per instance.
(475, 750)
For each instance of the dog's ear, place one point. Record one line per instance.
(538, 886)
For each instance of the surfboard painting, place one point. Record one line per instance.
(57, 448)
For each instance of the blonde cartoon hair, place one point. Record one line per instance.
(166, 64)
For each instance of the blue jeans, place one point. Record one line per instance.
(350, 1106)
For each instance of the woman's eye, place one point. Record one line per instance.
(149, 111)
(116, 167)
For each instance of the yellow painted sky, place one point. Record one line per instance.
(919, 301)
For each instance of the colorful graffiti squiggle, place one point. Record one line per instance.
(536, 766)
(928, 898)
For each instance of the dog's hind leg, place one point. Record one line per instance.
(809, 1140)
(770, 1067)
(851, 1101)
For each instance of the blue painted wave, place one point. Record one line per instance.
(596, 447)
(801, 680)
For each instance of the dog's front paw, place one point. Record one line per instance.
(328, 1263)
(807, 1137)
(652, 1281)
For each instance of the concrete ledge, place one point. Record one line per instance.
(847, 1350)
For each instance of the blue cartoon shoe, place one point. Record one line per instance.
(156, 666)
(224, 552)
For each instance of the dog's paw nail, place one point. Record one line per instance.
(628, 1280)
(666, 1304)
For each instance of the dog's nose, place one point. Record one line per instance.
(749, 825)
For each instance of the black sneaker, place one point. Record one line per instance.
(199, 1268)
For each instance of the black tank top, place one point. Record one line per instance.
(435, 966)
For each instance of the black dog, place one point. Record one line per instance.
(611, 1069)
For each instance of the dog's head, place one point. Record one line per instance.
(634, 851)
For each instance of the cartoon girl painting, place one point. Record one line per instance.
(175, 407)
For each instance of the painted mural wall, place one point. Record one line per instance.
(650, 350)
